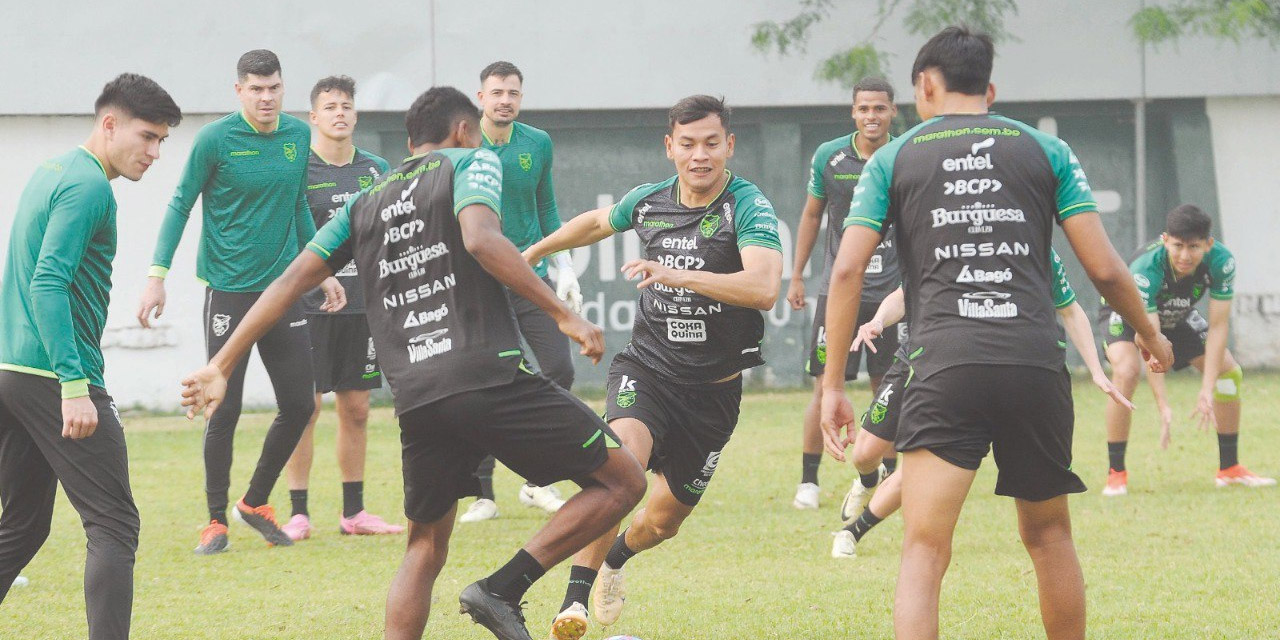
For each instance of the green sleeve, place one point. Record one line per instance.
(1074, 194)
(621, 216)
(477, 179)
(333, 241)
(1063, 294)
(195, 175)
(548, 212)
(816, 188)
(76, 212)
(383, 165)
(870, 204)
(303, 222)
(1148, 274)
(1222, 273)
(755, 222)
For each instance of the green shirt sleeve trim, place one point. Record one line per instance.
(488, 202)
(75, 388)
(1221, 296)
(748, 242)
(1077, 208)
(1066, 302)
(157, 271)
(319, 250)
(866, 222)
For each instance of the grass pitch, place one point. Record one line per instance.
(1176, 558)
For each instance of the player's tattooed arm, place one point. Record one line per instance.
(1111, 276)
(806, 238)
(205, 388)
(583, 229)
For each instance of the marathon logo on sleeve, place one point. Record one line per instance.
(682, 330)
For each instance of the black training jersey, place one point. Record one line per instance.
(440, 323)
(329, 187)
(974, 199)
(679, 333)
(837, 165)
(1173, 299)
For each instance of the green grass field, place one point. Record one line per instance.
(1177, 558)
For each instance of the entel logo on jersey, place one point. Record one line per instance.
(679, 330)
(974, 186)
(684, 244)
(973, 161)
(402, 206)
(835, 160)
(988, 307)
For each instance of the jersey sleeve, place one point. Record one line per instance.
(816, 188)
(1074, 194)
(76, 212)
(303, 220)
(755, 222)
(548, 212)
(622, 215)
(1063, 294)
(478, 180)
(381, 163)
(1148, 275)
(870, 204)
(333, 241)
(201, 164)
(1222, 273)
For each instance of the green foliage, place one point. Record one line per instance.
(792, 34)
(927, 17)
(1231, 20)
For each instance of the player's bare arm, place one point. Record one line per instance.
(755, 287)
(806, 237)
(890, 312)
(585, 228)
(1215, 353)
(1080, 331)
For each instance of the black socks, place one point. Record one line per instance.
(514, 578)
(1115, 452)
(869, 480)
(580, 581)
(619, 553)
(890, 464)
(809, 468)
(298, 500)
(1228, 455)
(352, 498)
(863, 524)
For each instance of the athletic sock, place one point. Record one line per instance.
(863, 524)
(579, 590)
(869, 480)
(352, 498)
(254, 498)
(1228, 455)
(809, 468)
(514, 578)
(1115, 451)
(619, 553)
(219, 516)
(484, 473)
(298, 498)
(890, 465)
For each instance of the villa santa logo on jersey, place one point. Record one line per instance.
(290, 151)
(526, 161)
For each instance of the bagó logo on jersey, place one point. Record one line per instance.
(290, 151)
(526, 161)
(626, 392)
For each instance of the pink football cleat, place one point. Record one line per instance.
(367, 524)
(298, 527)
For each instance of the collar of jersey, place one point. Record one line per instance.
(95, 159)
(510, 138)
(676, 191)
(354, 152)
(255, 129)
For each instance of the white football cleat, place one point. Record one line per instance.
(859, 497)
(843, 545)
(608, 595)
(481, 509)
(571, 624)
(545, 498)
(806, 496)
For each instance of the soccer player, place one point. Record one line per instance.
(968, 191)
(1173, 274)
(57, 422)
(448, 345)
(342, 351)
(249, 168)
(880, 422)
(712, 263)
(529, 214)
(832, 176)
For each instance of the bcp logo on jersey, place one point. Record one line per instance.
(526, 161)
(290, 151)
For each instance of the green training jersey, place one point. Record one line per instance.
(253, 189)
(529, 211)
(1173, 299)
(57, 276)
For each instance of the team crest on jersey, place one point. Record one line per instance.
(221, 322)
(365, 181)
(526, 161)
(710, 224)
(290, 151)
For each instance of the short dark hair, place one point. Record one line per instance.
(140, 97)
(334, 83)
(964, 57)
(874, 84)
(434, 113)
(259, 62)
(695, 108)
(1188, 222)
(502, 69)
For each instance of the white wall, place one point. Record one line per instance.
(142, 366)
(577, 54)
(1246, 135)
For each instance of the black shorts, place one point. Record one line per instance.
(690, 423)
(881, 419)
(877, 363)
(1024, 414)
(534, 427)
(1187, 336)
(342, 353)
